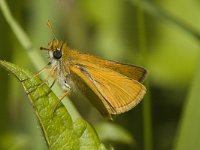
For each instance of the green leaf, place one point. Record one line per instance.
(189, 134)
(59, 131)
(115, 133)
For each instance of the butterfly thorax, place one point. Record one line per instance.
(60, 61)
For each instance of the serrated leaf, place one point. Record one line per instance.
(59, 131)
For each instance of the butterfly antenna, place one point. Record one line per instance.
(51, 29)
(43, 48)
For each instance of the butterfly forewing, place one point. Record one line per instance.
(85, 85)
(131, 71)
(117, 92)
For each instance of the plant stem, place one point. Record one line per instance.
(32, 52)
(147, 121)
(160, 14)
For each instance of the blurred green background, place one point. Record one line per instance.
(162, 35)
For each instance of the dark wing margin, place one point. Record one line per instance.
(132, 71)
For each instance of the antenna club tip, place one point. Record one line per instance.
(43, 48)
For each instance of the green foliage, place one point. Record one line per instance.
(114, 133)
(114, 30)
(59, 130)
(188, 137)
(13, 141)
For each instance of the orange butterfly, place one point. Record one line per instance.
(112, 87)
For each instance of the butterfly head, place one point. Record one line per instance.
(55, 49)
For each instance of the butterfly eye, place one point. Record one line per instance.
(57, 54)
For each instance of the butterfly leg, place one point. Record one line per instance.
(42, 70)
(39, 85)
(47, 77)
(35, 75)
(38, 73)
(59, 101)
(54, 81)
